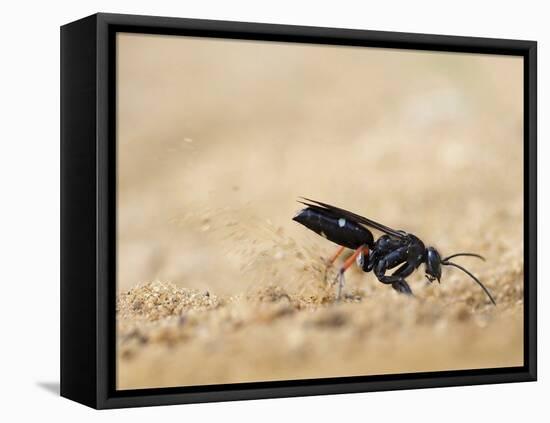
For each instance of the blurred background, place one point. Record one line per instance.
(218, 138)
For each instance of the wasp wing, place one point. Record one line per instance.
(352, 216)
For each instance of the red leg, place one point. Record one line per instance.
(336, 254)
(329, 262)
(347, 264)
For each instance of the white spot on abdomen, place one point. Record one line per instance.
(341, 222)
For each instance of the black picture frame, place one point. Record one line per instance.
(88, 175)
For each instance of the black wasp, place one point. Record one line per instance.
(394, 248)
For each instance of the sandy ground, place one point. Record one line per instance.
(217, 139)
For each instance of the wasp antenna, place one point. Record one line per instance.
(448, 263)
(464, 254)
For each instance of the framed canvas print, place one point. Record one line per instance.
(255, 211)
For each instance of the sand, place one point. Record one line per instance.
(217, 284)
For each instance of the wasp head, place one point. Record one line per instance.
(432, 260)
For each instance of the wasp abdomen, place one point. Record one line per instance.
(334, 228)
